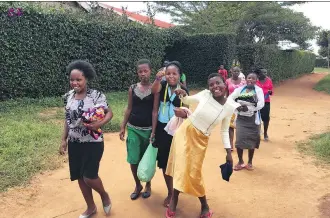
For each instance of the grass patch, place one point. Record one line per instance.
(321, 70)
(323, 85)
(318, 146)
(31, 134)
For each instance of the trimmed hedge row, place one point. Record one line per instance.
(36, 47)
(201, 54)
(281, 64)
(321, 63)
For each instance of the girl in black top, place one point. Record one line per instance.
(141, 120)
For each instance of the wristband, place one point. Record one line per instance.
(158, 78)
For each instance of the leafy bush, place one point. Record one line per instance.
(281, 64)
(321, 63)
(36, 48)
(201, 54)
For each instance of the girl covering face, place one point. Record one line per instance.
(169, 106)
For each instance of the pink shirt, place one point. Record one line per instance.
(266, 86)
(231, 86)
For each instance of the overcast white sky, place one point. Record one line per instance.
(317, 12)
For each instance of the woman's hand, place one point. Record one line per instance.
(122, 134)
(63, 147)
(152, 138)
(93, 126)
(180, 113)
(270, 92)
(160, 74)
(180, 92)
(229, 157)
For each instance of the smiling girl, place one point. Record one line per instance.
(190, 141)
(85, 151)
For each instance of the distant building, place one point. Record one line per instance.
(138, 17)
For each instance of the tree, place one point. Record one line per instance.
(323, 40)
(253, 22)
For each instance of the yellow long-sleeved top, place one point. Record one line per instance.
(209, 113)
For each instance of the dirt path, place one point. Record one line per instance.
(284, 184)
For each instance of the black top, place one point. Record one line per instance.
(176, 101)
(142, 106)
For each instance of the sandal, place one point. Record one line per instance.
(207, 215)
(135, 195)
(146, 194)
(169, 213)
(249, 167)
(239, 167)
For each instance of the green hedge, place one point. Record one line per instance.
(201, 54)
(321, 63)
(36, 47)
(281, 64)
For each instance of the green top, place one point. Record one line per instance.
(183, 77)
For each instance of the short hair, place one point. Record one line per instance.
(143, 61)
(177, 64)
(215, 75)
(236, 67)
(85, 67)
(253, 73)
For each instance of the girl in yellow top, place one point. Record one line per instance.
(191, 140)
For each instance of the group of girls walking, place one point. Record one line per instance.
(150, 107)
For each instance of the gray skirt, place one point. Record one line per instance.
(247, 133)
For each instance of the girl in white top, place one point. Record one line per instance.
(190, 141)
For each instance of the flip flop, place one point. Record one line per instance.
(239, 167)
(207, 215)
(249, 167)
(135, 195)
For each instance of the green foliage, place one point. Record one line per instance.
(324, 84)
(202, 54)
(31, 135)
(318, 146)
(280, 64)
(321, 63)
(323, 40)
(39, 45)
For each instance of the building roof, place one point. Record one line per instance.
(138, 17)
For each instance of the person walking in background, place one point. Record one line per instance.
(85, 149)
(248, 122)
(266, 84)
(223, 72)
(141, 120)
(169, 105)
(190, 141)
(233, 83)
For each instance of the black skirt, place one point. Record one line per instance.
(265, 112)
(163, 141)
(84, 159)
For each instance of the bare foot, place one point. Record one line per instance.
(167, 201)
